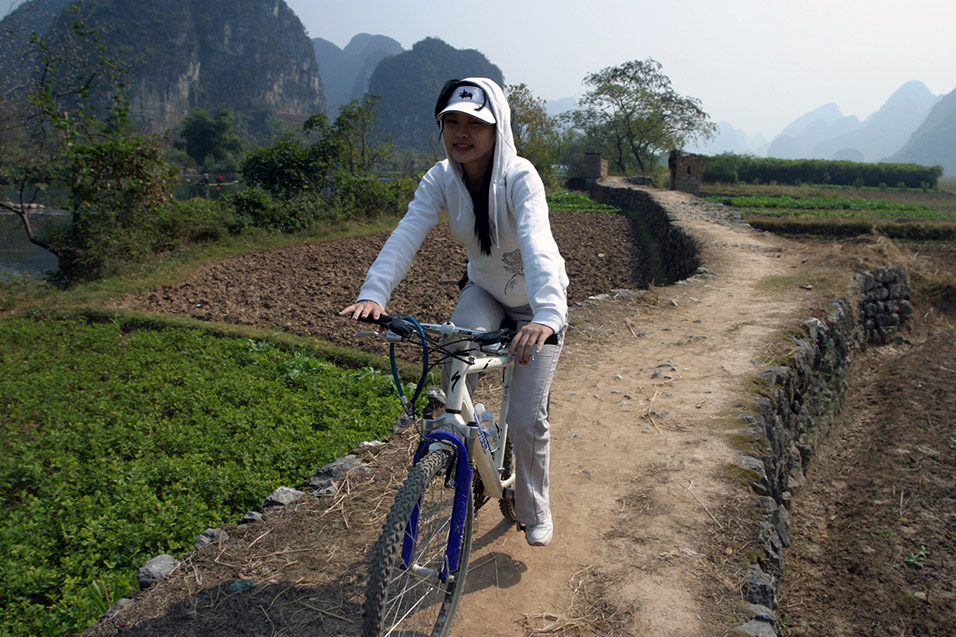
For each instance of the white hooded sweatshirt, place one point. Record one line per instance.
(524, 267)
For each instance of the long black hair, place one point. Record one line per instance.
(479, 192)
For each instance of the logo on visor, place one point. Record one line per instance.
(466, 95)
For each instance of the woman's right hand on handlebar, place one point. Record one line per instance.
(363, 309)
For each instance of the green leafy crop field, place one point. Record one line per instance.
(112, 436)
(838, 212)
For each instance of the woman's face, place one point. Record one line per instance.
(469, 141)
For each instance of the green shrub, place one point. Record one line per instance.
(729, 168)
(369, 197)
(571, 201)
(785, 205)
(256, 208)
(283, 170)
(195, 220)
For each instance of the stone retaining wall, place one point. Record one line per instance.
(801, 402)
(679, 255)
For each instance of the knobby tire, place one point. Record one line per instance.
(396, 601)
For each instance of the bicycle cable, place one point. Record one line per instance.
(409, 406)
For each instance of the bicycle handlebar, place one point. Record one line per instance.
(405, 328)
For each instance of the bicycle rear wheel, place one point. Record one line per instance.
(414, 601)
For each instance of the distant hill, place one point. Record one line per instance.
(808, 131)
(249, 55)
(885, 131)
(934, 142)
(732, 140)
(409, 83)
(345, 72)
(559, 106)
(825, 133)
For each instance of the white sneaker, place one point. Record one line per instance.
(540, 534)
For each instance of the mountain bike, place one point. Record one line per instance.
(463, 460)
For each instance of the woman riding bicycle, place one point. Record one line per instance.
(496, 208)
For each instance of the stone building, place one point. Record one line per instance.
(686, 171)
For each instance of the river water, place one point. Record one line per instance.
(17, 254)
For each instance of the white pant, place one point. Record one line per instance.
(527, 418)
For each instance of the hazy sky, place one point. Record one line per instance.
(758, 64)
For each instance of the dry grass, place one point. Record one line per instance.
(589, 613)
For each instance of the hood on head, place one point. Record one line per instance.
(504, 153)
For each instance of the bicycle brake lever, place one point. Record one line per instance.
(376, 334)
(391, 337)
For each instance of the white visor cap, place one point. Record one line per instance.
(469, 100)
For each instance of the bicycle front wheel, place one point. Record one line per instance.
(413, 600)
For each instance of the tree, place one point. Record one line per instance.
(210, 139)
(354, 129)
(632, 113)
(117, 182)
(536, 134)
(318, 157)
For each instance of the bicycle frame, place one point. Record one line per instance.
(472, 448)
(460, 412)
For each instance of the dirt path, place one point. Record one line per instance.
(641, 407)
(647, 542)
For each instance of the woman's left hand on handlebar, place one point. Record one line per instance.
(528, 341)
(363, 309)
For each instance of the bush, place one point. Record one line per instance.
(255, 208)
(283, 170)
(368, 197)
(729, 168)
(196, 220)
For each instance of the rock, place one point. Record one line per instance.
(283, 496)
(758, 628)
(240, 585)
(663, 367)
(331, 487)
(627, 294)
(251, 517)
(209, 536)
(761, 486)
(156, 569)
(763, 614)
(336, 471)
(116, 608)
(760, 587)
